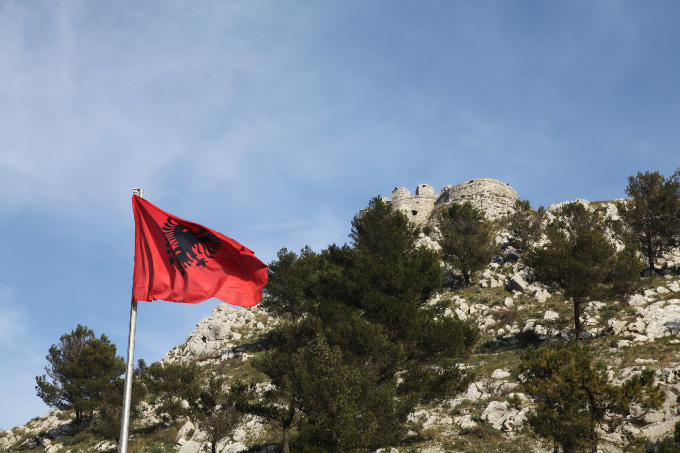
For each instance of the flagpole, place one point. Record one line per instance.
(127, 395)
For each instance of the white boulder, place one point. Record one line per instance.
(551, 315)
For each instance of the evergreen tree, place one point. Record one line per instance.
(386, 259)
(110, 410)
(345, 409)
(580, 260)
(362, 320)
(525, 225)
(467, 238)
(574, 398)
(298, 371)
(393, 279)
(653, 213)
(169, 384)
(214, 408)
(81, 369)
(280, 404)
(292, 279)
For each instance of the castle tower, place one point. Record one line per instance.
(424, 190)
(418, 208)
(399, 193)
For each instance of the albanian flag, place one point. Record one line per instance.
(181, 261)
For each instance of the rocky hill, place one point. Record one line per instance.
(510, 311)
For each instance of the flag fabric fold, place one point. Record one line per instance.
(181, 261)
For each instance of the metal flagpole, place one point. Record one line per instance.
(127, 396)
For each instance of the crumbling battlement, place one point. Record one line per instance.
(491, 196)
(418, 208)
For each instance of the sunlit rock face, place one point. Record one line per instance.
(494, 198)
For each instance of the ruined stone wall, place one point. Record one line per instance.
(418, 208)
(491, 196)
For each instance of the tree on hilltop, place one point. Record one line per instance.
(393, 280)
(580, 260)
(525, 225)
(386, 259)
(81, 369)
(467, 238)
(653, 213)
(365, 347)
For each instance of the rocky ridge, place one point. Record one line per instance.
(493, 401)
(637, 333)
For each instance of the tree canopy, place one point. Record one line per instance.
(81, 369)
(573, 396)
(525, 225)
(360, 336)
(168, 383)
(467, 238)
(653, 213)
(580, 260)
(213, 407)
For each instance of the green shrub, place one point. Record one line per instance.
(425, 434)
(515, 401)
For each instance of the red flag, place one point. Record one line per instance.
(181, 261)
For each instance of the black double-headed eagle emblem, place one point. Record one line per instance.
(187, 247)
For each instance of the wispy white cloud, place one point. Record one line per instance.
(91, 109)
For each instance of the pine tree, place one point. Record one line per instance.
(362, 321)
(653, 213)
(386, 259)
(581, 261)
(81, 369)
(467, 239)
(292, 278)
(310, 353)
(280, 404)
(393, 280)
(110, 410)
(525, 225)
(169, 384)
(574, 398)
(214, 409)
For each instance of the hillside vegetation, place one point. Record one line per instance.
(546, 330)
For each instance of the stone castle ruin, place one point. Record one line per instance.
(494, 198)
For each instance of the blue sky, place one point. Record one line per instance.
(274, 122)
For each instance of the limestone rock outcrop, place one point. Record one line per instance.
(219, 335)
